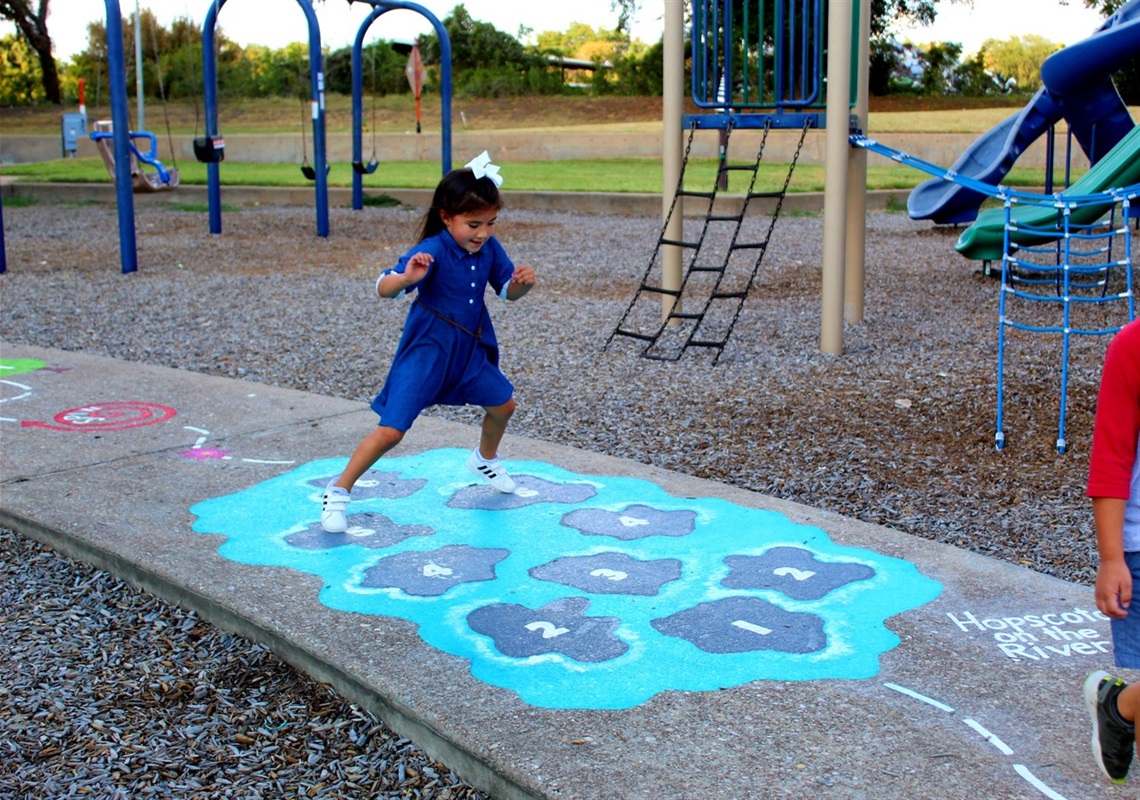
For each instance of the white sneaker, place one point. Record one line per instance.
(333, 505)
(491, 471)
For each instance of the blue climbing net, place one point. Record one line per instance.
(1067, 251)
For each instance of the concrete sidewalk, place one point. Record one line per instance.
(611, 631)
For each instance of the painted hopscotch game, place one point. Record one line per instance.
(579, 591)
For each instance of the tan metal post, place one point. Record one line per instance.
(673, 108)
(835, 174)
(856, 250)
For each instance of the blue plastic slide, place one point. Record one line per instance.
(1077, 88)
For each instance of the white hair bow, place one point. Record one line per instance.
(482, 167)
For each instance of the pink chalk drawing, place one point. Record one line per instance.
(205, 453)
(200, 453)
(109, 416)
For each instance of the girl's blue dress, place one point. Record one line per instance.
(448, 354)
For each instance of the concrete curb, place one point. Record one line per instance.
(396, 716)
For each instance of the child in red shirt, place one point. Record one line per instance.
(1114, 486)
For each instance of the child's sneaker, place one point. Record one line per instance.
(491, 471)
(333, 505)
(1112, 738)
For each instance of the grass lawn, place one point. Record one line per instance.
(557, 113)
(611, 175)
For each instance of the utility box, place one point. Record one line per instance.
(73, 127)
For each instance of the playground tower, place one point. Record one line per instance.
(817, 76)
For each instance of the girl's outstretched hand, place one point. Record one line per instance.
(417, 267)
(522, 281)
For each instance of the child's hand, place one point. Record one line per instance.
(522, 281)
(1114, 589)
(417, 267)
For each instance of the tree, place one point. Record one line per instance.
(487, 62)
(31, 25)
(1020, 58)
(626, 9)
(577, 37)
(1106, 7)
(884, 13)
(639, 71)
(938, 76)
(383, 70)
(474, 43)
(20, 82)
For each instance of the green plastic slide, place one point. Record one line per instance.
(984, 240)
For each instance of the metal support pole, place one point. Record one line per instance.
(210, 96)
(124, 192)
(856, 247)
(835, 174)
(317, 104)
(139, 69)
(673, 108)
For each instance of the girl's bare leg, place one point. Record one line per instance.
(367, 453)
(494, 426)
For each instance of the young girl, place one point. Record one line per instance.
(448, 353)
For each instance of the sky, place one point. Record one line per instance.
(247, 21)
(1001, 19)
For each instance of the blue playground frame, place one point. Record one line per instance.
(124, 194)
(317, 99)
(382, 7)
(1068, 239)
(779, 88)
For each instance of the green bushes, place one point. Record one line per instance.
(485, 62)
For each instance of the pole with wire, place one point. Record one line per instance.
(139, 68)
(416, 73)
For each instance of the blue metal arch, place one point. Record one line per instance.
(381, 7)
(317, 97)
(124, 193)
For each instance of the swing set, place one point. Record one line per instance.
(358, 166)
(161, 178)
(308, 110)
(207, 146)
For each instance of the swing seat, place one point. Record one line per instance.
(209, 150)
(159, 180)
(309, 172)
(365, 169)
